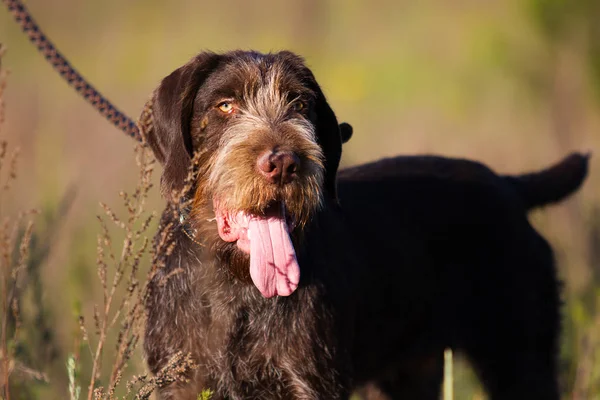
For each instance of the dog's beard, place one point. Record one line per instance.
(259, 216)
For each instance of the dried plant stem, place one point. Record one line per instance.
(11, 264)
(129, 311)
(448, 375)
(3, 338)
(3, 74)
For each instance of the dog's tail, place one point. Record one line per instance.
(553, 183)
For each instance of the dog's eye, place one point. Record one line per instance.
(226, 107)
(298, 106)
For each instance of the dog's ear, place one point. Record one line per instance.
(346, 131)
(172, 111)
(328, 135)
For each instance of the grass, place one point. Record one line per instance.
(124, 292)
(119, 319)
(15, 239)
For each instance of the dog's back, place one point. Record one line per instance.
(455, 263)
(535, 189)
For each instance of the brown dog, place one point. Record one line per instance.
(284, 291)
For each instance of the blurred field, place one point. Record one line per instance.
(512, 83)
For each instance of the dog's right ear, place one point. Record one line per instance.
(172, 111)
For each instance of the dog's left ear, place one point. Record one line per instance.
(172, 110)
(329, 136)
(346, 131)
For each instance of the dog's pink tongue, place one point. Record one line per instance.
(273, 265)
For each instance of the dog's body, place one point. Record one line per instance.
(453, 262)
(418, 254)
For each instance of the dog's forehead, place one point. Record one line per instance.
(243, 73)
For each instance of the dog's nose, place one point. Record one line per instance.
(278, 166)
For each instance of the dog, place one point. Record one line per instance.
(289, 279)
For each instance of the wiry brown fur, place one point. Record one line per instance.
(242, 341)
(418, 254)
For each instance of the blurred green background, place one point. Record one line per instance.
(512, 83)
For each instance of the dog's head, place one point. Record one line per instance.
(267, 146)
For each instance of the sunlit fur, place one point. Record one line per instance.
(233, 176)
(264, 121)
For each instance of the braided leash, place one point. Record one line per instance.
(139, 131)
(74, 78)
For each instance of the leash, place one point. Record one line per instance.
(138, 131)
(74, 78)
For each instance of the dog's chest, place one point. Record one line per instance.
(251, 350)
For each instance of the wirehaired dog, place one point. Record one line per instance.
(286, 281)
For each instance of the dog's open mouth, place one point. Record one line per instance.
(266, 238)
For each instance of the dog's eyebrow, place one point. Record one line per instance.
(304, 94)
(293, 96)
(221, 94)
(225, 95)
